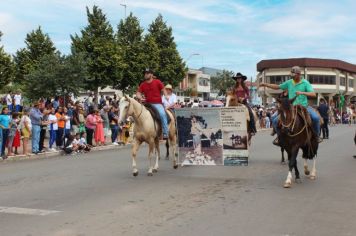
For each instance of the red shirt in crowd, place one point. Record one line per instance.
(152, 91)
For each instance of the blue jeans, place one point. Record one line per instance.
(5, 134)
(52, 137)
(0, 141)
(114, 132)
(313, 115)
(36, 131)
(163, 116)
(17, 108)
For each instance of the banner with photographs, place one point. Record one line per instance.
(212, 136)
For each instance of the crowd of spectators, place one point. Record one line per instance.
(67, 125)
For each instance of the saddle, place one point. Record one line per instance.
(156, 117)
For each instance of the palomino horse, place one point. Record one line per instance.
(295, 133)
(147, 129)
(232, 101)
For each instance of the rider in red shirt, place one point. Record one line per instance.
(152, 88)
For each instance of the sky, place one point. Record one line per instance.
(222, 34)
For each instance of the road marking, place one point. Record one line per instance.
(26, 211)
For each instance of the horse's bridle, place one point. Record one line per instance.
(294, 118)
(134, 111)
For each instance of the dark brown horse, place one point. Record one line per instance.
(296, 133)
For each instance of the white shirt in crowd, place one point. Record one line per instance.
(82, 141)
(67, 122)
(17, 99)
(53, 118)
(8, 100)
(25, 119)
(169, 101)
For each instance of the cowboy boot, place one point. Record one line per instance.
(276, 141)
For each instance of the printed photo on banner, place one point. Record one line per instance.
(199, 136)
(235, 138)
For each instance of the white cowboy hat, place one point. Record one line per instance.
(168, 86)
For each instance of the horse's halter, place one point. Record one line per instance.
(294, 112)
(128, 100)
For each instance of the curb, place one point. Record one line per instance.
(46, 155)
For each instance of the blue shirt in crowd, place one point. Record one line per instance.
(5, 121)
(36, 116)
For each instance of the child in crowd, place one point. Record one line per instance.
(83, 146)
(25, 127)
(53, 128)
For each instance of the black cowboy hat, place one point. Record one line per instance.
(148, 70)
(239, 75)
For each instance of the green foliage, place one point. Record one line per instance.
(129, 40)
(38, 45)
(7, 67)
(56, 75)
(100, 51)
(171, 68)
(222, 82)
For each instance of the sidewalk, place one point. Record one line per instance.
(48, 154)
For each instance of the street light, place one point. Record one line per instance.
(196, 54)
(124, 5)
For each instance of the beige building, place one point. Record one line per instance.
(328, 77)
(196, 85)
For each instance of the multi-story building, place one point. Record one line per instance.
(195, 85)
(328, 77)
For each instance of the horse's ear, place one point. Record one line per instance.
(292, 100)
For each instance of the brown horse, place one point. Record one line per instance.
(296, 133)
(147, 129)
(233, 101)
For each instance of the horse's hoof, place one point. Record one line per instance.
(149, 174)
(312, 177)
(307, 172)
(283, 162)
(135, 174)
(287, 185)
(167, 158)
(175, 166)
(298, 181)
(154, 170)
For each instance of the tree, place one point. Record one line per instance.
(56, 75)
(38, 45)
(129, 40)
(6, 67)
(222, 82)
(171, 66)
(100, 51)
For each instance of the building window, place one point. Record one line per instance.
(277, 79)
(322, 79)
(342, 81)
(351, 83)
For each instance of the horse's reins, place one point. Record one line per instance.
(293, 122)
(304, 127)
(134, 111)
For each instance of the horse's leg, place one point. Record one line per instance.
(135, 147)
(156, 167)
(167, 148)
(292, 155)
(305, 159)
(297, 176)
(173, 145)
(282, 160)
(151, 146)
(313, 173)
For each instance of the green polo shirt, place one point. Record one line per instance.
(292, 87)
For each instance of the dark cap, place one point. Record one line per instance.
(148, 70)
(239, 75)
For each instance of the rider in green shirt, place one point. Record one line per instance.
(300, 87)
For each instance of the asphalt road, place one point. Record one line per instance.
(96, 194)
